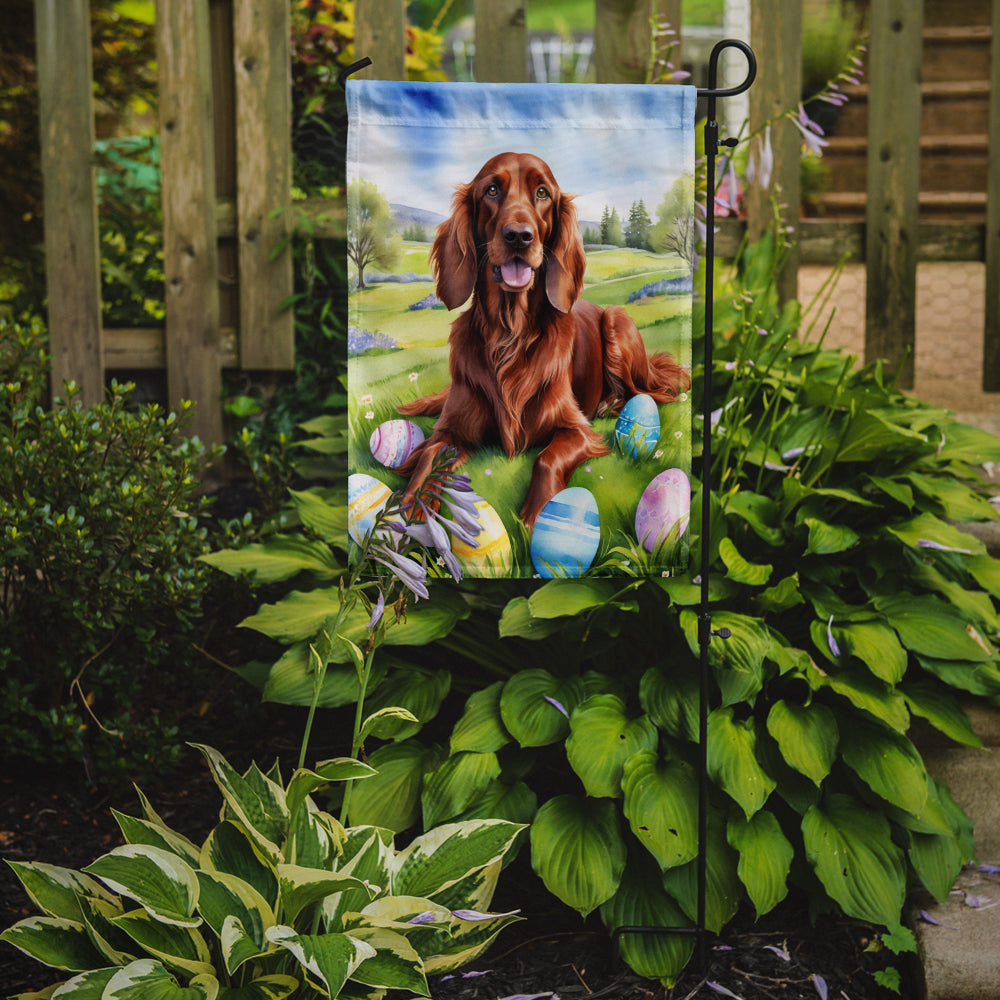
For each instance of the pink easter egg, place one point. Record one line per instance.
(665, 504)
(393, 441)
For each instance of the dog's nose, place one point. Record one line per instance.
(518, 235)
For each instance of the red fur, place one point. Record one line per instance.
(531, 364)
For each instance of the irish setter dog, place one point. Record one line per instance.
(531, 363)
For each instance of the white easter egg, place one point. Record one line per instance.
(638, 427)
(665, 505)
(492, 555)
(393, 441)
(366, 498)
(566, 535)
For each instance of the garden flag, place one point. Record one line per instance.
(520, 265)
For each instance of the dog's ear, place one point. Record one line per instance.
(453, 255)
(565, 261)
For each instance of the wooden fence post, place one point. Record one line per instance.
(72, 254)
(991, 333)
(776, 35)
(262, 61)
(380, 34)
(623, 37)
(893, 183)
(190, 251)
(501, 41)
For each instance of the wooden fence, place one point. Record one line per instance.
(226, 162)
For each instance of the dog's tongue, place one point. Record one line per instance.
(515, 273)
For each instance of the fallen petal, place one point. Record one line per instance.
(820, 983)
(719, 988)
(780, 952)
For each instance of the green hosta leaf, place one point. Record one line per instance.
(230, 849)
(602, 738)
(723, 889)
(535, 706)
(976, 678)
(226, 898)
(328, 521)
(760, 512)
(975, 605)
(866, 692)
(937, 859)
(783, 595)
(956, 500)
(671, 700)
(986, 572)
(578, 851)
(260, 809)
(279, 558)
(641, 901)
(391, 798)
(888, 763)
(941, 709)
(441, 857)
(765, 858)
(965, 443)
(416, 690)
(481, 727)
(876, 646)
(159, 881)
(395, 965)
(301, 887)
(147, 979)
(56, 891)
(661, 798)
(738, 661)
(330, 959)
(142, 831)
(517, 620)
(850, 848)
(732, 760)
(931, 628)
(894, 489)
(275, 987)
(924, 528)
(54, 941)
(292, 680)
(387, 723)
(456, 784)
(304, 782)
(870, 436)
(180, 948)
(751, 574)
(828, 539)
(560, 598)
(807, 736)
(515, 803)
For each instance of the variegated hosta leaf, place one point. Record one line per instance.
(56, 891)
(807, 736)
(602, 737)
(578, 851)
(225, 897)
(301, 887)
(851, 849)
(476, 890)
(642, 902)
(456, 784)
(732, 760)
(230, 849)
(535, 706)
(765, 858)
(116, 946)
(274, 987)
(54, 941)
(481, 727)
(304, 782)
(467, 940)
(177, 947)
(661, 805)
(158, 880)
(147, 979)
(395, 964)
(141, 831)
(367, 853)
(256, 801)
(328, 959)
(86, 986)
(441, 857)
(315, 838)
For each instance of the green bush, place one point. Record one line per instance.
(101, 584)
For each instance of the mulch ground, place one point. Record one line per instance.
(550, 953)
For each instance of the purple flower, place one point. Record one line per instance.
(761, 163)
(377, 612)
(475, 915)
(427, 917)
(927, 543)
(811, 132)
(409, 572)
(834, 648)
(558, 705)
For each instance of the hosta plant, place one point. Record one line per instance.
(279, 900)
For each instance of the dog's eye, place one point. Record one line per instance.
(542, 193)
(492, 191)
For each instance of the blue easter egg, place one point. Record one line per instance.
(566, 535)
(366, 497)
(393, 441)
(638, 427)
(664, 509)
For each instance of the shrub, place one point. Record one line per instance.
(99, 546)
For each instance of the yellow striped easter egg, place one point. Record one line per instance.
(492, 556)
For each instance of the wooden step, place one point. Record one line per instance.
(957, 206)
(956, 53)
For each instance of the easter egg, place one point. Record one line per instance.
(664, 504)
(492, 555)
(566, 535)
(393, 441)
(638, 427)
(366, 498)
